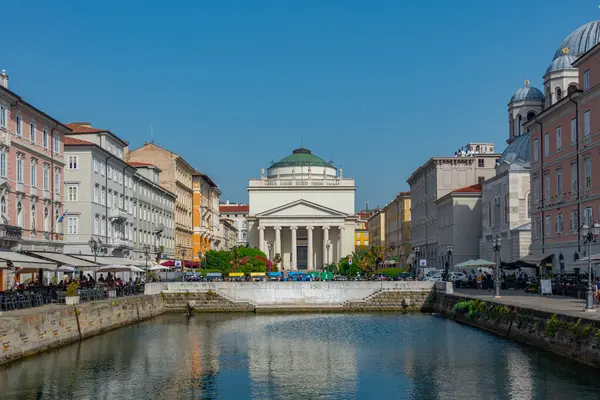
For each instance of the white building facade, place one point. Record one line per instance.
(236, 213)
(303, 210)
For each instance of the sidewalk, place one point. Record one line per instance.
(551, 304)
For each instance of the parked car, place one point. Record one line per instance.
(435, 277)
(458, 276)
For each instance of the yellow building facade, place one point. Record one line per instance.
(361, 231)
(205, 215)
(397, 228)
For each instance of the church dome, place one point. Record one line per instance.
(581, 40)
(302, 158)
(527, 93)
(518, 150)
(565, 61)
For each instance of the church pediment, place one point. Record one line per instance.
(302, 208)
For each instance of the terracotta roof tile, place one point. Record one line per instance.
(77, 142)
(141, 164)
(77, 128)
(469, 189)
(233, 209)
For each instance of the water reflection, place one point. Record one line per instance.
(360, 356)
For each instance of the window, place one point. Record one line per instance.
(103, 226)
(559, 224)
(32, 218)
(574, 222)
(20, 170)
(573, 130)
(358, 242)
(95, 162)
(45, 138)
(574, 177)
(72, 192)
(96, 193)
(547, 226)
(506, 209)
(109, 171)
(546, 145)
(120, 177)
(102, 168)
(481, 163)
(3, 116)
(588, 173)
(558, 94)
(56, 144)
(73, 162)
(96, 225)
(46, 177)
(46, 219)
(586, 80)
(559, 138)
(3, 163)
(33, 173)
(73, 225)
(366, 242)
(32, 131)
(536, 150)
(586, 123)
(20, 214)
(559, 182)
(19, 126)
(57, 218)
(588, 216)
(57, 181)
(547, 186)
(103, 196)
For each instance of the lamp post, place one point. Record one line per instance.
(182, 252)
(589, 236)
(497, 243)
(449, 250)
(146, 250)
(327, 246)
(417, 261)
(270, 247)
(95, 246)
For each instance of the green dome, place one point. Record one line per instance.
(302, 158)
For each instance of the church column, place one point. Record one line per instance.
(294, 249)
(325, 240)
(342, 230)
(278, 243)
(309, 256)
(261, 239)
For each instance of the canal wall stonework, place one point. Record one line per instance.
(572, 337)
(27, 332)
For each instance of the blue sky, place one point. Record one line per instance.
(376, 86)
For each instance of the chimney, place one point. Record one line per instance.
(4, 79)
(84, 124)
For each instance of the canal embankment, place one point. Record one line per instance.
(570, 335)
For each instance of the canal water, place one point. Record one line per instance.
(337, 356)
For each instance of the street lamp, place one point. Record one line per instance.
(95, 246)
(449, 250)
(417, 261)
(589, 236)
(497, 243)
(182, 252)
(327, 246)
(146, 250)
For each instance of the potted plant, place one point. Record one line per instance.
(72, 296)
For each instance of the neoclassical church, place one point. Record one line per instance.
(303, 210)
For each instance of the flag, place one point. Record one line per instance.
(62, 217)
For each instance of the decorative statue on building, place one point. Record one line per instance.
(262, 173)
(277, 174)
(341, 171)
(309, 171)
(324, 172)
(293, 173)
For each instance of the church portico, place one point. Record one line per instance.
(302, 210)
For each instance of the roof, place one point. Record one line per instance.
(302, 158)
(85, 128)
(241, 208)
(20, 100)
(518, 150)
(207, 178)
(403, 194)
(527, 93)
(563, 62)
(142, 165)
(469, 189)
(453, 159)
(71, 141)
(580, 40)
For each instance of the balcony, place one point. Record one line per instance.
(12, 233)
(121, 242)
(159, 228)
(20, 188)
(33, 191)
(117, 214)
(57, 197)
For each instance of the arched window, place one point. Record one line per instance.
(19, 214)
(558, 94)
(571, 89)
(530, 115)
(33, 218)
(3, 210)
(46, 219)
(520, 124)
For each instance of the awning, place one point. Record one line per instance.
(22, 261)
(475, 264)
(64, 259)
(107, 260)
(535, 259)
(595, 257)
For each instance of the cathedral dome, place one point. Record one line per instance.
(581, 40)
(518, 150)
(527, 93)
(302, 158)
(302, 164)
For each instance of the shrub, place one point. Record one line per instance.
(391, 271)
(72, 289)
(552, 325)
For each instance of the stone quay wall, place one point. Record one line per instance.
(572, 337)
(28, 332)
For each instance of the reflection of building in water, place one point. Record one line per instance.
(311, 364)
(520, 382)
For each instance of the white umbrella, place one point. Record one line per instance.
(119, 268)
(65, 268)
(159, 268)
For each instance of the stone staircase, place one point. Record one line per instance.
(204, 302)
(389, 300)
